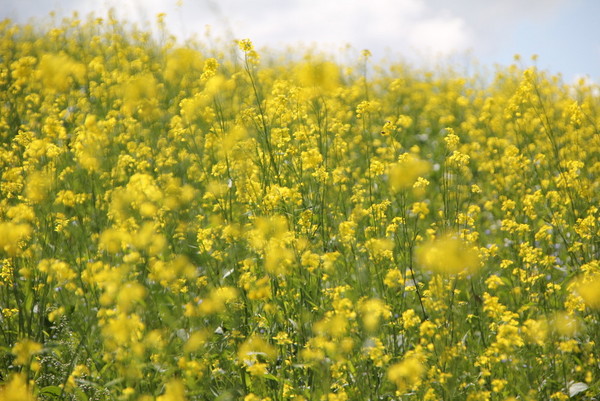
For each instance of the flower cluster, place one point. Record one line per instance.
(212, 222)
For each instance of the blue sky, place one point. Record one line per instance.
(564, 33)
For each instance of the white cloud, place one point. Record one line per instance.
(375, 24)
(402, 26)
(417, 30)
(440, 36)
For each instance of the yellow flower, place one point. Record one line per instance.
(217, 300)
(311, 158)
(181, 62)
(404, 174)
(140, 96)
(175, 391)
(498, 385)
(113, 241)
(448, 254)
(451, 139)
(493, 282)
(245, 45)
(24, 350)
(565, 324)
(16, 389)
(323, 75)
(122, 330)
(536, 331)
(588, 288)
(310, 260)
(58, 72)
(38, 185)
(196, 340)
(21, 213)
(420, 209)
(278, 258)
(406, 374)
(257, 369)
(379, 248)
(12, 237)
(282, 338)
(129, 294)
(346, 231)
(393, 278)
(373, 311)
(254, 352)
(410, 319)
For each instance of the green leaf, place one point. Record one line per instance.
(271, 377)
(54, 390)
(29, 301)
(80, 394)
(113, 382)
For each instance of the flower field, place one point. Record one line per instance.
(210, 221)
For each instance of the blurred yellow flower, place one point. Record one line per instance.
(323, 75)
(12, 237)
(404, 173)
(38, 185)
(448, 254)
(16, 389)
(174, 391)
(254, 352)
(406, 374)
(24, 350)
(373, 311)
(588, 288)
(58, 71)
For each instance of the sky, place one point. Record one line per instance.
(565, 34)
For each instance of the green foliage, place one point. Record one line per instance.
(213, 223)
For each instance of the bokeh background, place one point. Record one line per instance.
(473, 34)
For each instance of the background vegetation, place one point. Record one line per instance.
(209, 222)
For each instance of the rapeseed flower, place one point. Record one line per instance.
(588, 288)
(448, 254)
(406, 374)
(406, 171)
(13, 237)
(16, 389)
(174, 391)
(24, 350)
(206, 226)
